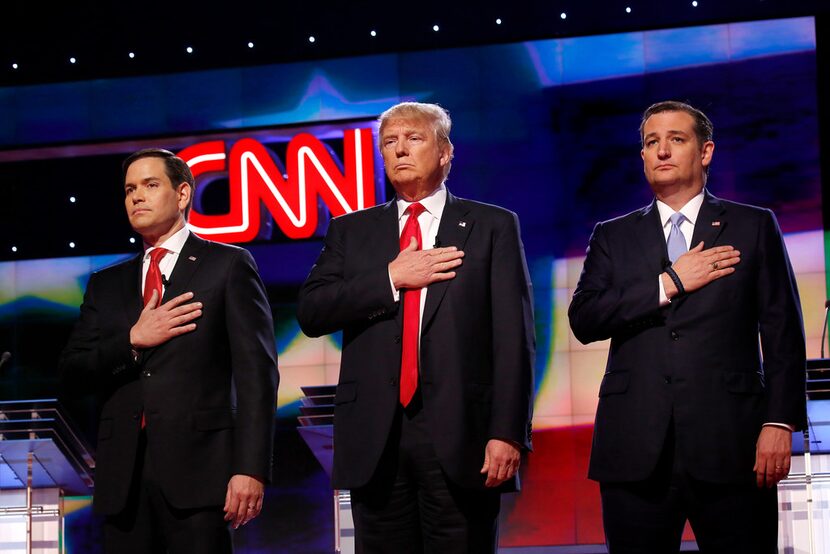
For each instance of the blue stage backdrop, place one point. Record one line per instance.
(545, 128)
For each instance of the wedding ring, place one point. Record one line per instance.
(714, 265)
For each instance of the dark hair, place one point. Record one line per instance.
(704, 130)
(176, 169)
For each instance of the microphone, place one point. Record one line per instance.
(5, 357)
(164, 280)
(824, 329)
(437, 242)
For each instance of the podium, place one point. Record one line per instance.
(804, 496)
(317, 430)
(42, 458)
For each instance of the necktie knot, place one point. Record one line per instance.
(415, 209)
(157, 254)
(677, 218)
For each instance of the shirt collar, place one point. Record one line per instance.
(434, 203)
(174, 242)
(690, 210)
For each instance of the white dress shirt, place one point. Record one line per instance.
(687, 227)
(174, 244)
(429, 220)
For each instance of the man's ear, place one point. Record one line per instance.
(185, 191)
(706, 153)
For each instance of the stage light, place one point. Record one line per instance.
(15, 66)
(694, 3)
(563, 15)
(250, 45)
(628, 9)
(189, 49)
(71, 245)
(373, 33)
(72, 60)
(14, 249)
(132, 240)
(311, 38)
(72, 199)
(498, 21)
(131, 55)
(435, 28)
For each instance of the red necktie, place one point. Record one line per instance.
(153, 280)
(411, 314)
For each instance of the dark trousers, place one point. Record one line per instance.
(150, 525)
(647, 517)
(409, 505)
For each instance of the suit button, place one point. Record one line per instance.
(397, 339)
(393, 382)
(136, 415)
(675, 335)
(667, 380)
(146, 373)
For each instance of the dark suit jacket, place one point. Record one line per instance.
(697, 361)
(477, 338)
(208, 396)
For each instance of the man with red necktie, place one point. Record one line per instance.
(180, 344)
(434, 401)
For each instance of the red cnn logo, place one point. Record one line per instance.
(255, 177)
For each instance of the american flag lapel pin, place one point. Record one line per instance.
(462, 223)
(192, 258)
(716, 224)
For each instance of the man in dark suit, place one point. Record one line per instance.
(186, 373)
(691, 423)
(433, 406)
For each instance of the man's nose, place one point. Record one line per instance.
(663, 151)
(400, 148)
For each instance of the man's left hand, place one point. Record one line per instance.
(501, 462)
(772, 455)
(243, 502)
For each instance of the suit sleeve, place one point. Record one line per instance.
(781, 329)
(97, 351)
(250, 328)
(330, 300)
(514, 340)
(602, 305)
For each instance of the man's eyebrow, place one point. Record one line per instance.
(670, 132)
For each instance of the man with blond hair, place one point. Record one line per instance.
(434, 402)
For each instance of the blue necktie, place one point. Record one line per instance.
(676, 242)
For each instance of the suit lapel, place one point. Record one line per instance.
(189, 260)
(388, 243)
(454, 230)
(650, 240)
(709, 225)
(131, 288)
(710, 222)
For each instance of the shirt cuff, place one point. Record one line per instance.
(786, 426)
(664, 300)
(396, 295)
